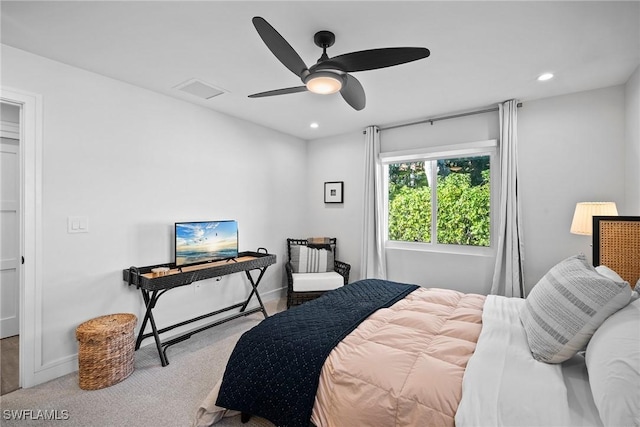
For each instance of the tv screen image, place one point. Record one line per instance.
(205, 241)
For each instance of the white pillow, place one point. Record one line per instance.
(613, 363)
(305, 259)
(607, 272)
(566, 306)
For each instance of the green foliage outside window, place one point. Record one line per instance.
(410, 215)
(463, 194)
(463, 210)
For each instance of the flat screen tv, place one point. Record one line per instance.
(205, 241)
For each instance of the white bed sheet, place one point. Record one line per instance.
(504, 385)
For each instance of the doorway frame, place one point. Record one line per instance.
(30, 240)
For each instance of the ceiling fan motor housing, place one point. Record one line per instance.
(324, 39)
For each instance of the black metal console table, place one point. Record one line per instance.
(153, 286)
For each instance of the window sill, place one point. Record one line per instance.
(441, 249)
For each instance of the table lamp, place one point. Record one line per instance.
(585, 211)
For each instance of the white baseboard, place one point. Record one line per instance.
(58, 368)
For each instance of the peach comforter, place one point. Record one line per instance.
(402, 366)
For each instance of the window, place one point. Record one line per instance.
(442, 196)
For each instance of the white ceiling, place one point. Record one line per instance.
(481, 52)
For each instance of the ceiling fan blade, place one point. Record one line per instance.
(279, 92)
(353, 93)
(279, 46)
(373, 59)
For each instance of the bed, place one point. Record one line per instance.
(568, 354)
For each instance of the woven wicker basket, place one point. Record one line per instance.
(105, 356)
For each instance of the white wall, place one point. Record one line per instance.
(338, 158)
(632, 147)
(134, 162)
(571, 148)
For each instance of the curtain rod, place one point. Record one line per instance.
(453, 116)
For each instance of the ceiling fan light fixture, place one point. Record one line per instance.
(324, 83)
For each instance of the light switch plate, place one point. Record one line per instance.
(77, 224)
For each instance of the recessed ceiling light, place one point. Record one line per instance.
(314, 125)
(544, 77)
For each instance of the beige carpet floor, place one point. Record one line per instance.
(152, 396)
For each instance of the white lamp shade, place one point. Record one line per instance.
(585, 211)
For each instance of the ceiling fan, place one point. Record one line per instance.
(330, 75)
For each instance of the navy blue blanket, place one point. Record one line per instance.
(275, 367)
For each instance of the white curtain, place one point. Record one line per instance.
(373, 260)
(508, 273)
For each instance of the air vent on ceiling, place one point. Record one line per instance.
(200, 89)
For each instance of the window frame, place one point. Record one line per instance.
(471, 149)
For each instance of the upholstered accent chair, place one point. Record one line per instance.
(312, 269)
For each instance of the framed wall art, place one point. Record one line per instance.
(333, 192)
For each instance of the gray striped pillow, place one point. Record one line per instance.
(566, 307)
(311, 260)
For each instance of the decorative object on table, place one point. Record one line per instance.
(616, 244)
(313, 269)
(582, 222)
(160, 271)
(106, 350)
(333, 192)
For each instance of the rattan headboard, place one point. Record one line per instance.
(616, 244)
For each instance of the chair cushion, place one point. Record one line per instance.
(313, 282)
(311, 260)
